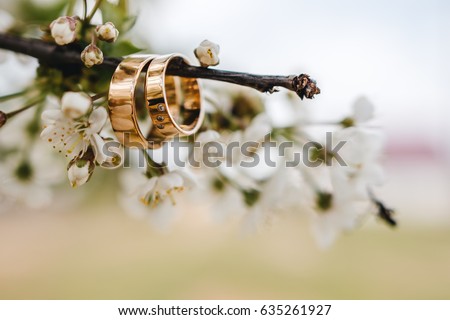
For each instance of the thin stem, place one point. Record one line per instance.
(13, 95)
(93, 11)
(11, 114)
(84, 9)
(98, 96)
(94, 39)
(154, 169)
(123, 5)
(70, 7)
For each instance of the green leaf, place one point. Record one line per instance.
(123, 48)
(114, 14)
(128, 23)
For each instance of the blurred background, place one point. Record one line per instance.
(393, 53)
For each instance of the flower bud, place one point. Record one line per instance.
(80, 171)
(63, 30)
(3, 118)
(107, 32)
(75, 104)
(91, 55)
(207, 53)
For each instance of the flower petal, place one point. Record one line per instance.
(97, 120)
(51, 116)
(98, 144)
(170, 181)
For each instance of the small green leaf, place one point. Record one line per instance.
(128, 24)
(113, 13)
(123, 48)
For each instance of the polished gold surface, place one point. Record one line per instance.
(122, 101)
(173, 102)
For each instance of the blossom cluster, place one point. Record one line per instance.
(67, 111)
(74, 130)
(64, 31)
(336, 195)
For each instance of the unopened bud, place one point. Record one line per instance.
(63, 30)
(207, 53)
(75, 104)
(80, 171)
(107, 32)
(91, 56)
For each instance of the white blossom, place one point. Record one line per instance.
(253, 135)
(230, 175)
(27, 170)
(206, 141)
(28, 182)
(258, 128)
(91, 55)
(224, 200)
(284, 191)
(207, 53)
(229, 162)
(349, 199)
(158, 189)
(4, 55)
(107, 32)
(79, 172)
(361, 154)
(154, 198)
(342, 216)
(72, 137)
(63, 30)
(75, 104)
(207, 136)
(363, 111)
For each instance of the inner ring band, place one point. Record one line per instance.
(173, 102)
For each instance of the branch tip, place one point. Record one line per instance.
(3, 118)
(304, 86)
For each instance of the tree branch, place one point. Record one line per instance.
(58, 56)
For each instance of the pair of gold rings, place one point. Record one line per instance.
(172, 103)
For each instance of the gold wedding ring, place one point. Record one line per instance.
(122, 101)
(172, 102)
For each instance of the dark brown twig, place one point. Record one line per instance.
(58, 56)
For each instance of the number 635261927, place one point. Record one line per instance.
(296, 310)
